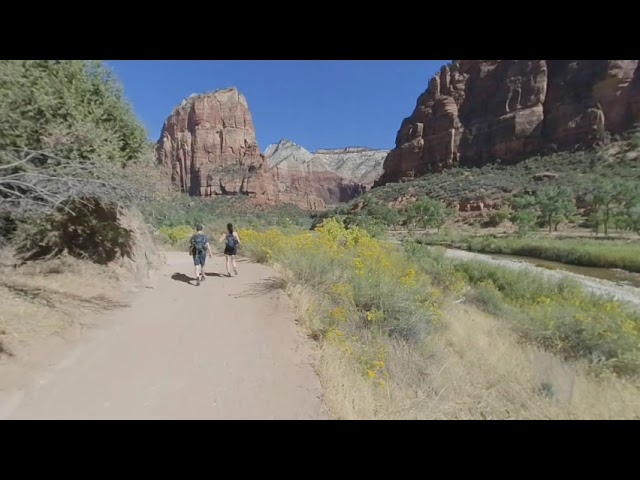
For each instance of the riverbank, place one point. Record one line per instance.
(612, 254)
(625, 293)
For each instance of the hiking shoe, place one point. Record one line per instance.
(197, 282)
(203, 278)
(235, 270)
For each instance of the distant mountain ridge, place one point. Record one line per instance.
(358, 167)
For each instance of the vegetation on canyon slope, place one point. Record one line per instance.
(596, 188)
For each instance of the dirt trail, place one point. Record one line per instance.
(228, 349)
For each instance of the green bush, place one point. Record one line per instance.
(177, 235)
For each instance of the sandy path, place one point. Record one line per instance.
(228, 349)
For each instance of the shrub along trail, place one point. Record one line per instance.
(228, 349)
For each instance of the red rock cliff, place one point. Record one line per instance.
(208, 144)
(476, 111)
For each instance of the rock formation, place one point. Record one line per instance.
(335, 176)
(208, 144)
(478, 111)
(208, 147)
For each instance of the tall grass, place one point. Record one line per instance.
(620, 254)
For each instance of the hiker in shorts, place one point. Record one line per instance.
(231, 242)
(199, 247)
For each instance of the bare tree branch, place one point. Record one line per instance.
(37, 182)
(18, 162)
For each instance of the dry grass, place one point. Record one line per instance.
(474, 368)
(347, 394)
(484, 372)
(46, 297)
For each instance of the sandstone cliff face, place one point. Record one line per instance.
(477, 111)
(332, 175)
(208, 145)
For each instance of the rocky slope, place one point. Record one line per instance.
(208, 146)
(333, 175)
(476, 111)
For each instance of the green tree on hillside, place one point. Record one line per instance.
(610, 200)
(499, 216)
(524, 215)
(374, 226)
(556, 204)
(628, 216)
(428, 212)
(384, 214)
(633, 219)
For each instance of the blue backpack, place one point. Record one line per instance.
(198, 243)
(231, 241)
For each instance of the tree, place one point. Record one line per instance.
(384, 214)
(74, 109)
(498, 217)
(524, 215)
(556, 204)
(428, 212)
(628, 215)
(67, 138)
(373, 226)
(633, 222)
(609, 199)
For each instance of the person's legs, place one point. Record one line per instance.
(203, 261)
(235, 268)
(196, 267)
(228, 264)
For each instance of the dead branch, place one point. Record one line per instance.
(37, 182)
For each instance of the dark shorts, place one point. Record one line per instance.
(199, 258)
(230, 251)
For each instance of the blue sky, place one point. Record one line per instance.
(315, 103)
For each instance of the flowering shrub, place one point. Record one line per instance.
(178, 234)
(365, 289)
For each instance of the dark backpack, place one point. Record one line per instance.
(198, 242)
(231, 241)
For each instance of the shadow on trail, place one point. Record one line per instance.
(265, 287)
(181, 277)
